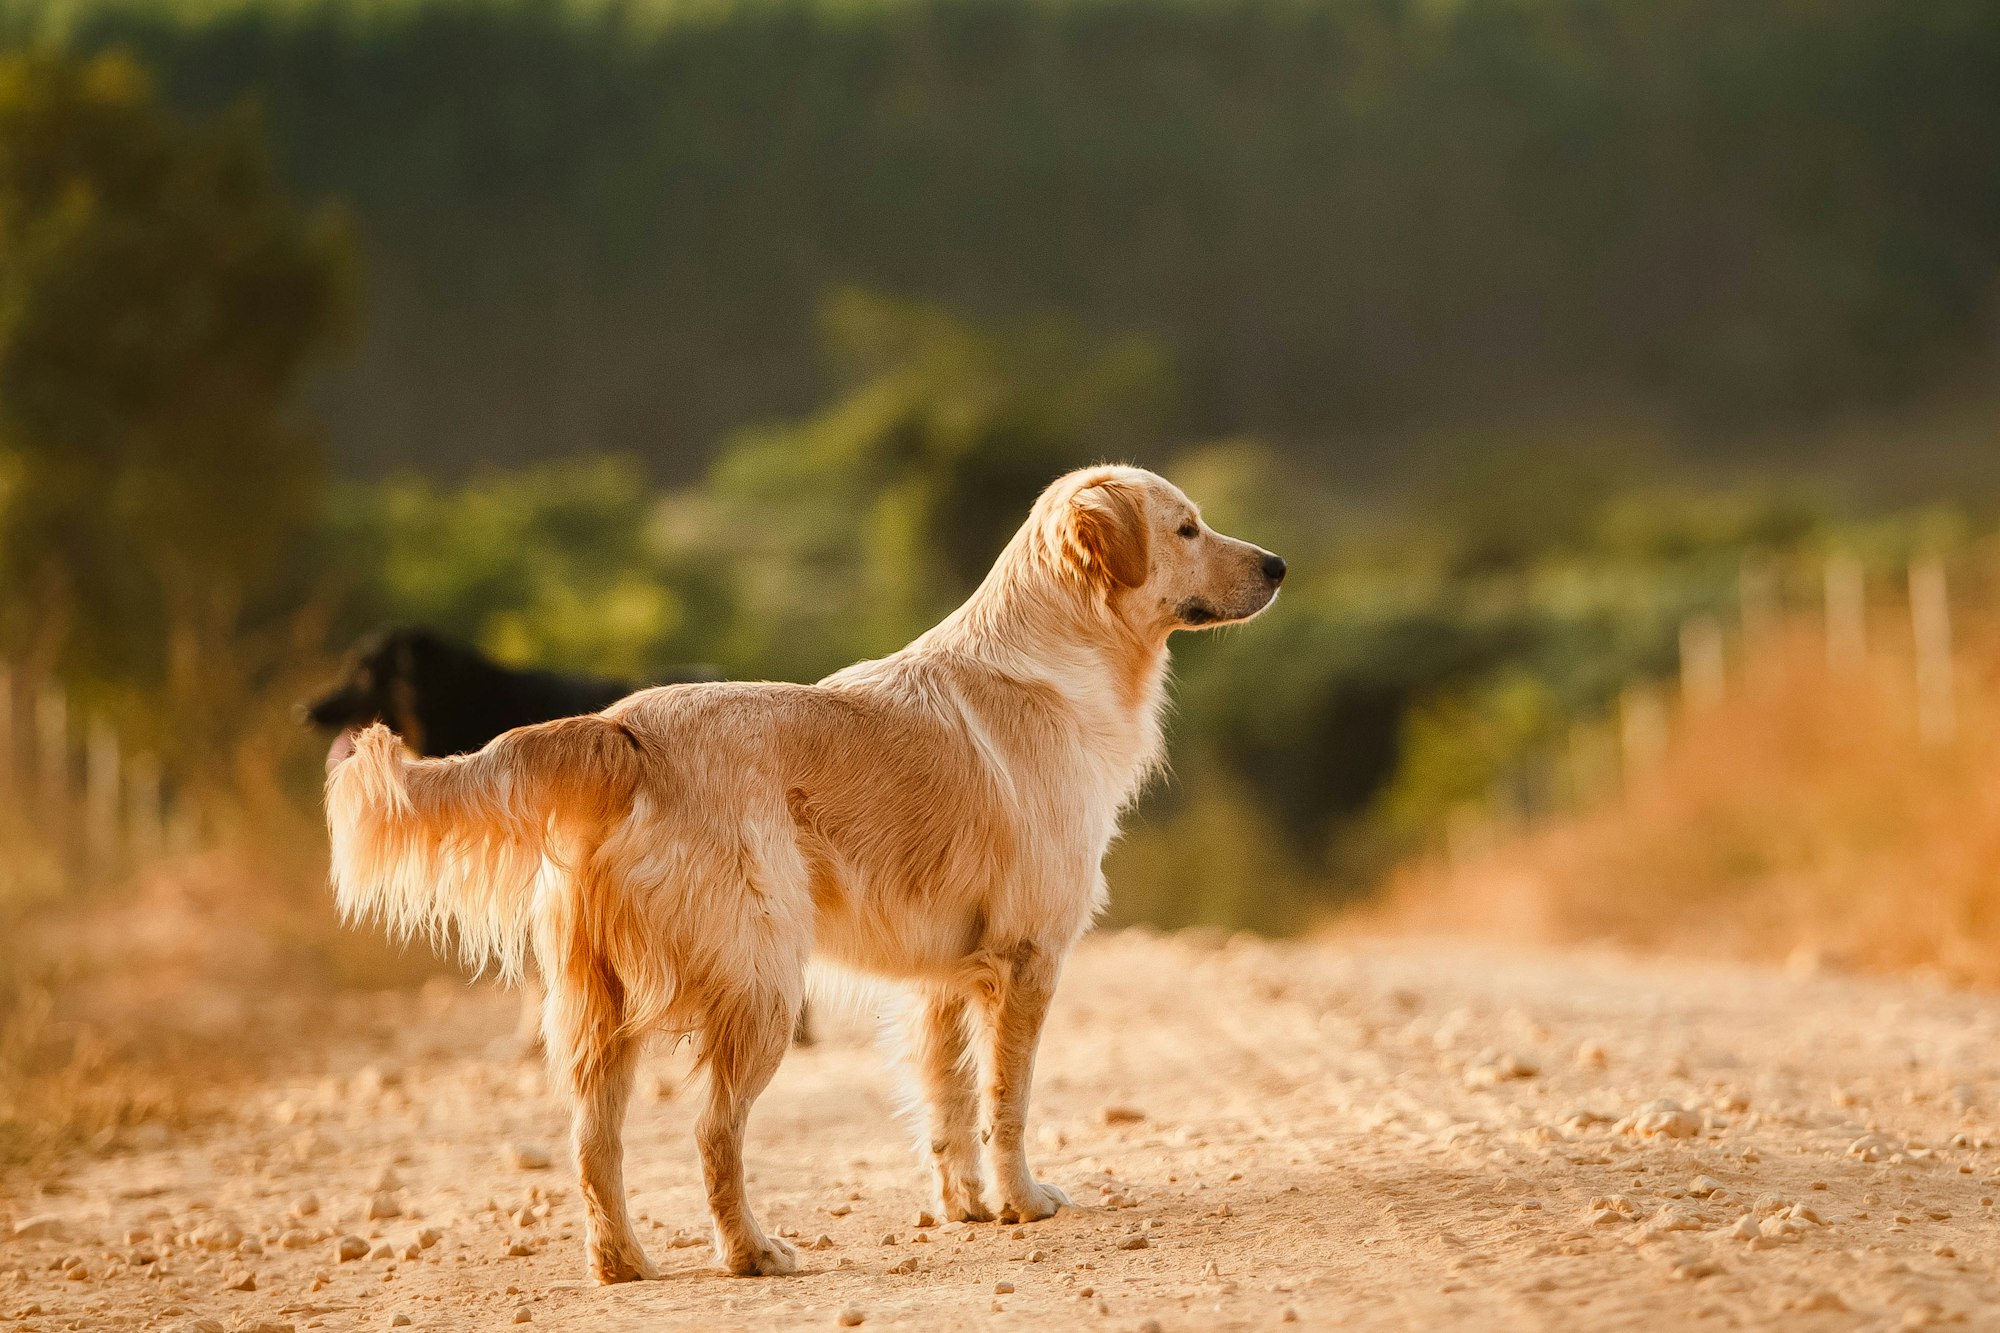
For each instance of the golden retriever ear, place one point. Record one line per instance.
(1106, 533)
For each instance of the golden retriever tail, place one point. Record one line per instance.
(455, 847)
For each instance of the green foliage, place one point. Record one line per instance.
(561, 565)
(160, 301)
(606, 223)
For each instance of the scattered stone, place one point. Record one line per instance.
(889, 1238)
(428, 1237)
(528, 1157)
(1661, 1119)
(77, 1272)
(523, 1315)
(840, 1210)
(687, 1240)
(383, 1205)
(295, 1238)
(519, 1250)
(1036, 1256)
(1702, 1187)
(383, 1250)
(850, 1318)
(244, 1280)
(825, 1242)
(1768, 1204)
(905, 1268)
(1807, 1213)
(399, 1320)
(386, 1179)
(1606, 1217)
(1134, 1243)
(1121, 1115)
(350, 1248)
(1872, 1147)
(1694, 1270)
(1746, 1228)
(1491, 1069)
(924, 1221)
(1616, 1203)
(1003, 1289)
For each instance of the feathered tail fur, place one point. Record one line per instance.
(443, 847)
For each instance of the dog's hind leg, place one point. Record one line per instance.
(941, 1060)
(1015, 999)
(593, 1058)
(744, 1038)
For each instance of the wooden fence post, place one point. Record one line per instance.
(145, 817)
(1930, 621)
(1703, 678)
(1642, 730)
(52, 751)
(1846, 612)
(100, 796)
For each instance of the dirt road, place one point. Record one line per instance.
(1396, 1136)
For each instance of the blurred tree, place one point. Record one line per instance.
(160, 303)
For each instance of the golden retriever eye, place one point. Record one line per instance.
(1190, 531)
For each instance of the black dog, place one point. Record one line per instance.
(443, 698)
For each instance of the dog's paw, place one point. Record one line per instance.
(609, 1266)
(963, 1201)
(769, 1258)
(1037, 1202)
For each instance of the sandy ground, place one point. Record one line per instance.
(1388, 1136)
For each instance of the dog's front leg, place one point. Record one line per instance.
(1016, 1006)
(940, 1057)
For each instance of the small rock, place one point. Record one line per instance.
(519, 1250)
(244, 1280)
(1290, 1316)
(1003, 1289)
(1872, 1147)
(351, 1248)
(1694, 1270)
(77, 1272)
(889, 1239)
(687, 1240)
(523, 1315)
(1662, 1119)
(905, 1268)
(1134, 1243)
(383, 1205)
(399, 1320)
(825, 1242)
(383, 1250)
(528, 1157)
(386, 1179)
(428, 1237)
(924, 1221)
(295, 1238)
(850, 1318)
(1121, 1115)
(1807, 1213)
(1036, 1256)
(840, 1210)
(1704, 1186)
(1746, 1228)
(1768, 1204)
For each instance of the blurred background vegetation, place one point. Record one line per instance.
(621, 335)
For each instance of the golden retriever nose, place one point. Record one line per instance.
(1274, 569)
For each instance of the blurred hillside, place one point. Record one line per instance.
(1351, 228)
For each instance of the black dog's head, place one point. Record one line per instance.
(379, 685)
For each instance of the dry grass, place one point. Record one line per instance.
(1799, 817)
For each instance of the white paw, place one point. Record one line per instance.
(1035, 1203)
(775, 1258)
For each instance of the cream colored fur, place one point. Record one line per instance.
(937, 817)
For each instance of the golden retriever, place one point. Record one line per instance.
(938, 817)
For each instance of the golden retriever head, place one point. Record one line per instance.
(1139, 544)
